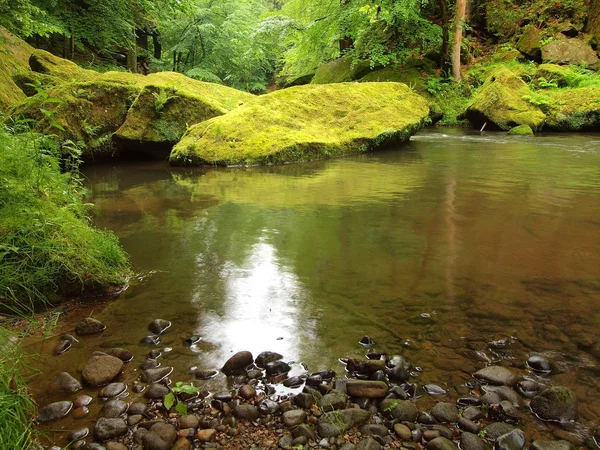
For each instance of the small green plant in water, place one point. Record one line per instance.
(391, 406)
(171, 398)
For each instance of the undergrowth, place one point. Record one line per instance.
(48, 247)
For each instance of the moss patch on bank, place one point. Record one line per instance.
(47, 245)
(306, 122)
(14, 61)
(340, 70)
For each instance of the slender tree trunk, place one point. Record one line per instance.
(459, 19)
(132, 55)
(445, 50)
(157, 46)
(174, 61)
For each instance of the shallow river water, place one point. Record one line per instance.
(434, 249)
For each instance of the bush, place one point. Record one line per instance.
(47, 244)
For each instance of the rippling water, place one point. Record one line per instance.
(433, 249)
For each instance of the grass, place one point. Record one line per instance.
(48, 247)
(16, 407)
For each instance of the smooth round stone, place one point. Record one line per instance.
(150, 340)
(106, 429)
(114, 408)
(67, 383)
(237, 363)
(277, 368)
(137, 408)
(77, 435)
(205, 374)
(54, 411)
(62, 347)
(159, 326)
(266, 357)
(121, 353)
(154, 353)
(268, 406)
(469, 401)
(246, 412)
(497, 375)
(426, 419)
(539, 364)
(134, 419)
(113, 390)
(149, 364)
(155, 375)
(445, 412)
(188, 421)
(192, 340)
(314, 380)
(434, 389)
(530, 388)
(89, 326)
(247, 391)
(101, 369)
(293, 382)
(367, 341)
(557, 404)
(294, 417)
(81, 412)
(82, 400)
(402, 431)
(156, 391)
(514, 440)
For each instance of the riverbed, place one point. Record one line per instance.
(456, 250)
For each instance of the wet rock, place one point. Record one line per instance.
(150, 340)
(113, 409)
(497, 375)
(62, 347)
(303, 430)
(441, 443)
(193, 339)
(81, 412)
(237, 363)
(269, 406)
(115, 446)
(205, 374)
(555, 404)
(159, 326)
(551, 445)
(155, 375)
(401, 410)
(490, 398)
(89, 326)
(429, 435)
(402, 431)
(505, 411)
(368, 444)
(121, 353)
(503, 392)
(101, 369)
(469, 401)
(293, 382)
(426, 419)
(373, 429)
(77, 435)
(156, 391)
(247, 391)
(113, 390)
(266, 357)
(294, 417)
(530, 388)
(494, 430)
(285, 442)
(367, 341)
(445, 412)
(149, 364)
(106, 429)
(68, 383)
(366, 389)
(82, 400)
(434, 389)
(277, 368)
(134, 419)
(182, 444)
(333, 400)
(399, 374)
(137, 408)
(514, 440)
(188, 421)
(54, 411)
(160, 436)
(473, 413)
(246, 412)
(469, 425)
(470, 441)
(365, 366)
(206, 435)
(336, 422)
(539, 364)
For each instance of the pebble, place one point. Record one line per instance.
(237, 363)
(81, 412)
(54, 411)
(155, 375)
(67, 383)
(82, 400)
(107, 428)
(114, 408)
(206, 435)
(159, 326)
(89, 326)
(113, 390)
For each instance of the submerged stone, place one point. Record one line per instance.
(54, 411)
(557, 404)
(237, 363)
(304, 123)
(101, 369)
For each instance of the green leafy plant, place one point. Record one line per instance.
(161, 98)
(391, 406)
(172, 400)
(547, 84)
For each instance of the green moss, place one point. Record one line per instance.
(521, 130)
(306, 122)
(46, 63)
(574, 109)
(14, 61)
(502, 102)
(340, 70)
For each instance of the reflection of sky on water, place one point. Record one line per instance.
(261, 307)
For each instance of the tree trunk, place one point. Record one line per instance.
(157, 46)
(459, 19)
(445, 50)
(142, 39)
(132, 55)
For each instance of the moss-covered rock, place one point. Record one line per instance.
(169, 103)
(561, 76)
(502, 102)
(563, 50)
(341, 70)
(46, 63)
(521, 130)
(530, 42)
(14, 57)
(306, 122)
(573, 109)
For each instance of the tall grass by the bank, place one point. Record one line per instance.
(47, 244)
(16, 407)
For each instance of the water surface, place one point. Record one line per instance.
(433, 249)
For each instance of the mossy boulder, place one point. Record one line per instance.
(304, 123)
(46, 63)
(562, 76)
(14, 61)
(169, 103)
(557, 404)
(573, 109)
(341, 70)
(521, 130)
(593, 20)
(565, 51)
(530, 43)
(502, 102)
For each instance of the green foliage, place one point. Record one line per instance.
(161, 98)
(172, 400)
(16, 407)
(46, 241)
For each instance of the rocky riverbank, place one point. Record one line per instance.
(377, 403)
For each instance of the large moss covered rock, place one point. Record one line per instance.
(46, 63)
(169, 103)
(502, 102)
(306, 122)
(341, 70)
(14, 61)
(565, 51)
(573, 109)
(530, 42)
